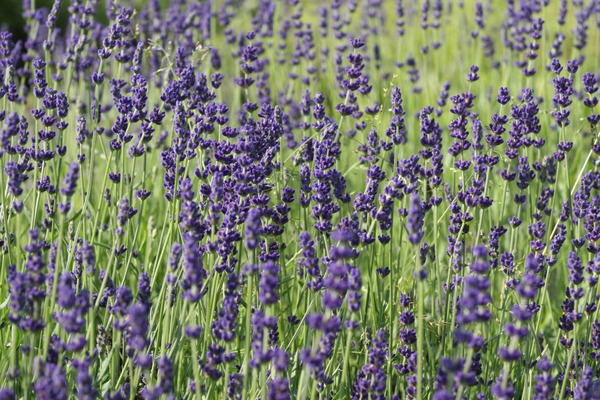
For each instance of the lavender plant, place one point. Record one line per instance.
(284, 199)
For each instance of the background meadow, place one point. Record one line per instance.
(297, 199)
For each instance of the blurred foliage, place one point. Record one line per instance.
(11, 17)
(12, 20)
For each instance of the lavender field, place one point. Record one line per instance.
(288, 199)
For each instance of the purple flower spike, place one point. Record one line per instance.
(415, 219)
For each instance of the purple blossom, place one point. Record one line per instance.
(415, 219)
